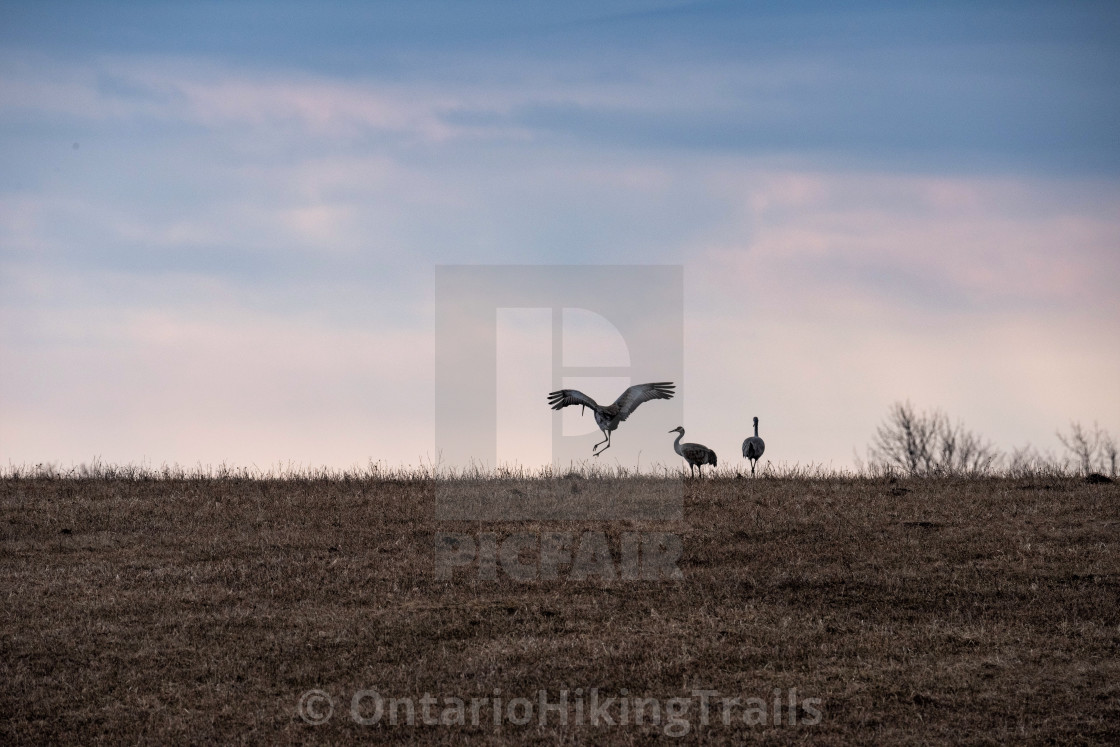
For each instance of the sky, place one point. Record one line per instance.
(220, 222)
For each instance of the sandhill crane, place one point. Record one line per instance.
(609, 416)
(697, 455)
(753, 447)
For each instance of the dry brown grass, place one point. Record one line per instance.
(199, 610)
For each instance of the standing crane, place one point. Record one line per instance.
(753, 447)
(609, 416)
(697, 455)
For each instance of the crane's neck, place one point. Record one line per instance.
(677, 443)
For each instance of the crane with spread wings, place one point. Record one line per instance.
(607, 417)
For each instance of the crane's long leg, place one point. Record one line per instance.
(607, 441)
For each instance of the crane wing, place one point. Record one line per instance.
(698, 454)
(753, 447)
(640, 393)
(565, 397)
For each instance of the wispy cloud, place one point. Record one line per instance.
(170, 91)
(965, 243)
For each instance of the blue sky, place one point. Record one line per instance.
(219, 221)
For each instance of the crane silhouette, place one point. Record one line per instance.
(697, 455)
(753, 447)
(607, 417)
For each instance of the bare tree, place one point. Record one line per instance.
(964, 451)
(1080, 445)
(903, 441)
(1092, 450)
(1109, 455)
(927, 443)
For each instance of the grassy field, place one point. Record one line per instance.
(203, 611)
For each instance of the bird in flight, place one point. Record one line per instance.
(607, 417)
